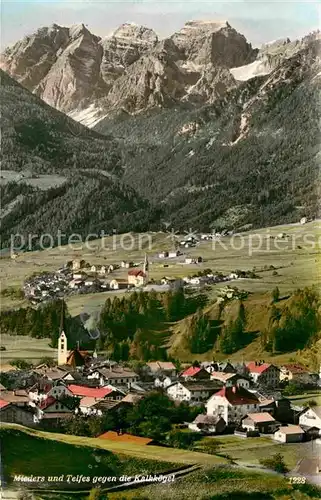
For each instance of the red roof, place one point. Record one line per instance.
(127, 438)
(255, 368)
(3, 403)
(79, 390)
(237, 396)
(136, 272)
(47, 402)
(191, 371)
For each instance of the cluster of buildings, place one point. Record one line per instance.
(80, 277)
(244, 398)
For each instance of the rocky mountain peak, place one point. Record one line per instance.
(213, 42)
(136, 33)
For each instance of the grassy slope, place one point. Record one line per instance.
(31, 452)
(224, 484)
(139, 452)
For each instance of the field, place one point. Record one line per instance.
(24, 347)
(302, 399)
(251, 450)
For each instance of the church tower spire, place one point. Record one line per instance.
(146, 267)
(62, 340)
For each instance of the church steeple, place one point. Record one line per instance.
(146, 266)
(62, 340)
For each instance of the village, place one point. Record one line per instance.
(243, 399)
(80, 277)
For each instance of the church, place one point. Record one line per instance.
(74, 358)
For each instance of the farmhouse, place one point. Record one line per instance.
(126, 264)
(19, 398)
(137, 277)
(192, 391)
(173, 254)
(162, 368)
(207, 424)
(163, 255)
(264, 373)
(195, 373)
(114, 376)
(311, 417)
(262, 422)
(232, 403)
(292, 372)
(12, 413)
(289, 434)
(230, 379)
(79, 390)
(118, 284)
(53, 405)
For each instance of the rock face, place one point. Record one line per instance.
(123, 48)
(89, 77)
(210, 42)
(74, 70)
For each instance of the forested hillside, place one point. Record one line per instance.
(147, 326)
(82, 170)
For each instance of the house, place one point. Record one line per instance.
(118, 284)
(232, 404)
(192, 391)
(75, 265)
(163, 255)
(208, 424)
(163, 381)
(173, 254)
(230, 379)
(189, 260)
(18, 397)
(311, 417)
(114, 376)
(102, 270)
(53, 405)
(91, 392)
(12, 413)
(226, 366)
(195, 373)
(264, 373)
(137, 277)
(58, 391)
(53, 374)
(289, 434)
(87, 406)
(261, 422)
(292, 371)
(162, 368)
(125, 438)
(126, 265)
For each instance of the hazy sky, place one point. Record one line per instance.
(259, 21)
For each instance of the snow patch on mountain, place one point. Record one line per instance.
(244, 73)
(89, 116)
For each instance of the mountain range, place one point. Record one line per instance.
(198, 129)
